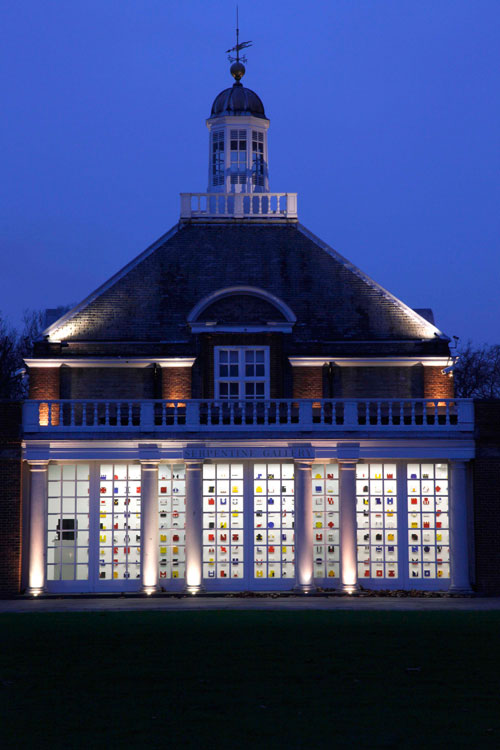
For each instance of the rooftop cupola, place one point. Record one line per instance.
(238, 136)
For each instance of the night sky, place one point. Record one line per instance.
(385, 118)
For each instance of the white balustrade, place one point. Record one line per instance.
(238, 205)
(92, 415)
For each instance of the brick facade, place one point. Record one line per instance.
(44, 382)
(307, 382)
(438, 384)
(487, 497)
(379, 382)
(10, 497)
(176, 382)
(108, 382)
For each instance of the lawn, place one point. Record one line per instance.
(250, 679)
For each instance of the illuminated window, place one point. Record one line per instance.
(428, 521)
(68, 523)
(242, 373)
(377, 521)
(172, 510)
(273, 524)
(238, 157)
(326, 541)
(218, 157)
(120, 522)
(223, 541)
(257, 158)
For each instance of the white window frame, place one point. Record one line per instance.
(242, 379)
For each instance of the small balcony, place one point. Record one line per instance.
(202, 206)
(433, 416)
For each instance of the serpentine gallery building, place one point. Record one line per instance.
(240, 408)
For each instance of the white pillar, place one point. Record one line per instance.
(194, 526)
(304, 572)
(38, 506)
(149, 524)
(459, 545)
(347, 491)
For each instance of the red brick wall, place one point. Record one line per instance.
(107, 382)
(307, 382)
(379, 382)
(44, 382)
(10, 497)
(487, 497)
(438, 384)
(176, 382)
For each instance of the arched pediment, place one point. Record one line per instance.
(241, 308)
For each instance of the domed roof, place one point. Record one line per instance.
(237, 100)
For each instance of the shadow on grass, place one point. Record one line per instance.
(250, 679)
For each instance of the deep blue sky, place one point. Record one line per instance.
(385, 118)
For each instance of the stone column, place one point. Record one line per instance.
(149, 524)
(38, 512)
(348, 557)
(194, 526)
(304, 571)
(459, 545)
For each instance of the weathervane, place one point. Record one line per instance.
(238, 69)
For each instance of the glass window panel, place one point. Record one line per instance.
(326, 549)
(274, 543)
(428, 536)
(376, 515)
(67, 512)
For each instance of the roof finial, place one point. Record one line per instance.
(237, 68)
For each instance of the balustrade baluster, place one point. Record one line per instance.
(413, 412)
(72, 414)
(289, 412)
(436, 412)
(130, 413)
(84, 414)
(379, 413)
(267, 407)
(106, 413)
(447, 405)
(389, 413)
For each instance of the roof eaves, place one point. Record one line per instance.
(368, 280)
(110, 282)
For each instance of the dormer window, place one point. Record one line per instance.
(242, 373)
(238, 157)
(218, 157)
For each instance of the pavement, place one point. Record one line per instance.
(216, 603)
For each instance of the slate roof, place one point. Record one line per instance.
(339, 309)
